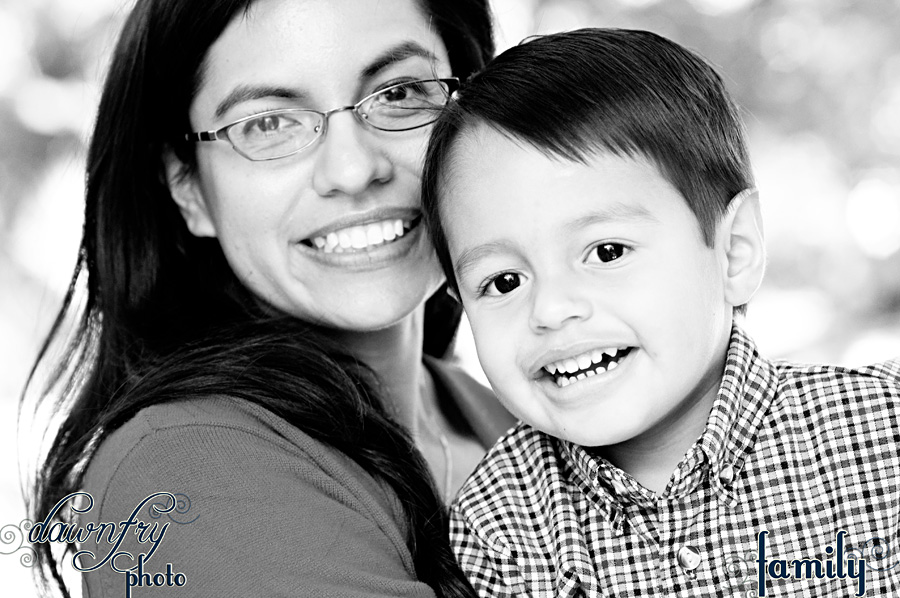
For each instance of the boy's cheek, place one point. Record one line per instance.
(483, 333)
(496, 341)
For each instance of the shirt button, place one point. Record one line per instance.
(689, 558)
(726, 475)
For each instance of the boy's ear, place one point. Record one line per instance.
(185, 190)
(745, 250)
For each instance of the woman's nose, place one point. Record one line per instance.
(557, 303)
(349, 159)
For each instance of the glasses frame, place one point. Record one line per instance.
(221, 134)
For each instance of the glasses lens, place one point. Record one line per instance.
(275, 134)
(406, 105)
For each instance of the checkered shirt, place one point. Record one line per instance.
(799, 451)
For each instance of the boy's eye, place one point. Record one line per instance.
(502, 284)
(608, 252)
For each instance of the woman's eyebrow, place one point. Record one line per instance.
(394, 54)
(246, 93)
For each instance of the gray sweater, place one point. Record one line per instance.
(263, 509)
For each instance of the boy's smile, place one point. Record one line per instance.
(585, 365)
(599, 314)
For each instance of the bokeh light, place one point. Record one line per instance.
(873, 215)
(15, 43)
(721, 7)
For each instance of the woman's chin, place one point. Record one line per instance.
(365, 308)
(350, 299)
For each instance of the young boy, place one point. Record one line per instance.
(591, 199)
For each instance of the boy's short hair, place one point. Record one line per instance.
(577, 93)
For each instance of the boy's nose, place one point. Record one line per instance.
(556, 304)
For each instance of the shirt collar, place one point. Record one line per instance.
(744, 397)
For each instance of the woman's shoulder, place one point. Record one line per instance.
(212, 442)
(248, 488)
(173, 423)
(227, 431)
(228, 415)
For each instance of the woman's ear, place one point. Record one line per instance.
(744, 247)
(186, 191)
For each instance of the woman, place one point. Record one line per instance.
(253, 335)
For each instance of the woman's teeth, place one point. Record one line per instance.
(571, 370)
(357, 238)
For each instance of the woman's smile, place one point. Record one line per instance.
(366, 246)
(354, 239)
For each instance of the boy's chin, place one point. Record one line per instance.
(587, 438)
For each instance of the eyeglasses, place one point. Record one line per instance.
(280, 133)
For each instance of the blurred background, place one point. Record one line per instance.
(819, 82)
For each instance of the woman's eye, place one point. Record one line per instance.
(403, 92)
(412, 94)
(608, 252)
(395, 94)
(269, 124)
(502, 284)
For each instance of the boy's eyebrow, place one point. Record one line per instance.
(617, 211)
(469, 257)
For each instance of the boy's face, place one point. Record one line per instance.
(597, 270)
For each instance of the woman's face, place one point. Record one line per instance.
(355, 182)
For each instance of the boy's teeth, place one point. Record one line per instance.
(568, 371)
(361, 237)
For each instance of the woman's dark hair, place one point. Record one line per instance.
(164, 316)
(575, 94)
